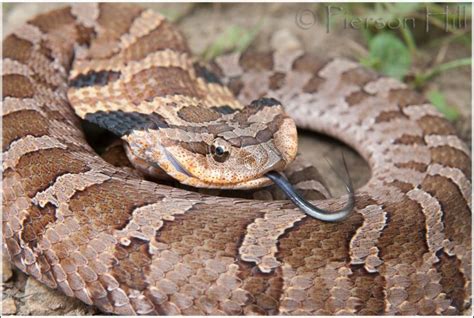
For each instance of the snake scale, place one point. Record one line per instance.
(130, 246)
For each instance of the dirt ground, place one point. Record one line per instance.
(202, 24)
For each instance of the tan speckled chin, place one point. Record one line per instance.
(160, 162)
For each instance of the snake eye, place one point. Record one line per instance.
(219, 153)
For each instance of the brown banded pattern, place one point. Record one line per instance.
(131, 246)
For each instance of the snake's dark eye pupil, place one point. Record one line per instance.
(219, 151)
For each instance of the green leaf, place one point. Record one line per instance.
(437, 99)
(420, 79)
(247, 38)
(388, 55)
(234, 38)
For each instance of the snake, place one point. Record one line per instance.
(128, 245)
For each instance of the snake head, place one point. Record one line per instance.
(217, 147)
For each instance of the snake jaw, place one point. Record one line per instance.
(192, 175)
(162, 163)
(175, 163)
(235, 156)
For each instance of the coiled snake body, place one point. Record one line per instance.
(130, 246)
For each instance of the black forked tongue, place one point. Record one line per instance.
(308, 208)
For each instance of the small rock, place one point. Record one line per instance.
(7, 270)
(41, 300)
(19, 14)
(285, 40)
(8, 306)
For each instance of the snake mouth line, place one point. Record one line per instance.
(258, 182)
(176, 165)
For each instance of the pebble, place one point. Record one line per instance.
(8, 306)
(42, 300)
(289, 40)
(7, 270)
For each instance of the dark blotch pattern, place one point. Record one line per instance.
(356, 98)
(159, 81)
(452, 279)
(256, 61)
(21, 124)
(406, 97)
(264, 289)
(206, 74)
(369, 288)
(216, 129)
(452, 157)
(118, 18)
(456, 213)
(262, 102)
(197, 232)
(313, 84)
(261, 137)
(108, 206)
(40, 169)
(308, 63)
(195, 114)
(224, 109)
(18, 86)
(133, 264)
(123, 123)
(402, 186)
(309, 245)
(359, 76)
(165, 36)
(399, 241)
(53, 20)
(434, 125)
(412, 165)
(389, 115)
(36, 222)
(409, 140)
(196, 147)
(277, 80)
(45, 50)
(235, 85)
(93, 78)
(17, 49)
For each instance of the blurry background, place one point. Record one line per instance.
(390, 38)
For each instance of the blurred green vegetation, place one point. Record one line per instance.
(396, 47)
(233, 39)
(396, 38)
(437, 99)
(394, 44)
(6, 7)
